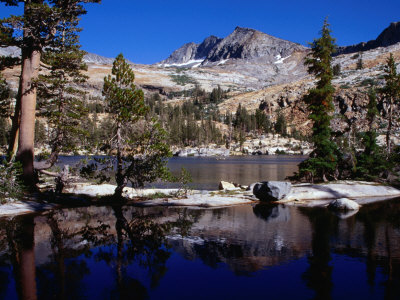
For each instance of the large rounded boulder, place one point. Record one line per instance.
(271, 190)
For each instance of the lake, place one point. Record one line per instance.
(207, 172)
(242, 252)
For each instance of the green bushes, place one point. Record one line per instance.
(11, 187)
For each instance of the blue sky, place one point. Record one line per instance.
(147, 31)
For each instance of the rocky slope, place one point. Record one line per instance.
(350, 99)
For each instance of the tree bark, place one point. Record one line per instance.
(120, 178)
(26, 102)
(389, 129)
(30, 71)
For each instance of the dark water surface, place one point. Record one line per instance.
(207, 172)
(242, 252)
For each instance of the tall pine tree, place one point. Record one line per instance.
(321, 165)
(32, 32)
(138, 139)
(60, 99)
(391, 95)
(371, 162)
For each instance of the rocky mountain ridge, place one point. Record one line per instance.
(388, 37)
(246, 43)
(242, 43)
(191, 53)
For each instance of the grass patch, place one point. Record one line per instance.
(367, 82)
(225, 193)
(158, 195)
(280, 152)
(183, 79)
(344, 86)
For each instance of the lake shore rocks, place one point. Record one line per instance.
(269, 144)
(202, 152)
(303, 195)
(224, 185)
(16, 207)
(101, 190)
(271, 190)
(361, 191)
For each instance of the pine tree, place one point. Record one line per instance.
(33, 32)
(360, 63)
(336, 69)
(138, 139)
(60, 100)
(281, 125)
(391, 94)
(322, 162)
(371, 161)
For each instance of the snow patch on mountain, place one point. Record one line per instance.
(280, 59)
(222, 62)
(190, 63)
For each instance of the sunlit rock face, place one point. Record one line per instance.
(191, 53)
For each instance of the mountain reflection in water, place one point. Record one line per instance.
(174, 253)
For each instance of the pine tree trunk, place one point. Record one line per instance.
(14, 134)
(121, 182)
(30, 55)
(389, 129)
(30, 71)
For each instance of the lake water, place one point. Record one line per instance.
(207, 172)
(242, 252)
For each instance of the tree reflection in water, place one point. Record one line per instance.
(384, 216)
(381, 219)
(20, 254)
(61, 277)
(128, 249)
(141, 240)
(136, 240)
(319, 274)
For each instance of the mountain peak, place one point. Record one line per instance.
(238, 28)
(243, 45)
(191, 53)
(247, 43)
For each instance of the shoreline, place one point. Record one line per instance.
(301, 195)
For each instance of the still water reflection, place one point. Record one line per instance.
(207, 172)
(232, 253)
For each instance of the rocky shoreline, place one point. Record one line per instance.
(269, 144)
(342, 195)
